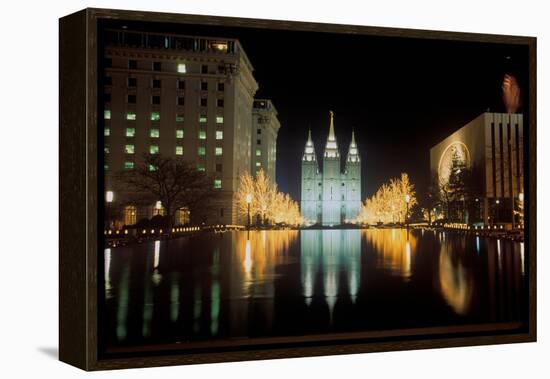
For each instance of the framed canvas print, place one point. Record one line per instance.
(236, 189)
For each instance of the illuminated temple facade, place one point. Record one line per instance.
(330, 195)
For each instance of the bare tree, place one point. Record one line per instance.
(174, 182)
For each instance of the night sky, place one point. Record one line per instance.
(400, 95)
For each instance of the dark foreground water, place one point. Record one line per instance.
(282, 283)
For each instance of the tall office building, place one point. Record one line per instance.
(265, 127)
(491, 146)
(330, 195)
(182, 96)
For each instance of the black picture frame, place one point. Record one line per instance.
(81, 207)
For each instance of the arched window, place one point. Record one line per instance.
(130, 215)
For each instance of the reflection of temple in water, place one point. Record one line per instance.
(325, 256)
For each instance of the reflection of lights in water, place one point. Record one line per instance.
(353, 282)
(522, 256)
(174, 299)
(393, 250)
(422, 232)
(308, 285)
(214, 308)
(455, 281)
(263, 234)
(477, 245)
(393, 234)
(407, 258)
(197, 308)
(498, 255)
(148, 308)
(247, 259)
(157, 254)
(107, 255)
(331, 289)
(123, 299)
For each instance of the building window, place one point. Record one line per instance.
(202, 151)
(259, 141)
(152, 167)
(107, 132)
(221, 87)
(128, 165)
(107, 97)
(181, 84)
(154, 149)
(179, 150)
(155, 99)
(132, 82)
(218, 167)
(179, 117)
(259, 131)
(131, 99)
(130, 132)
(202, 134)
(106, 149)
(217, 183)
(154, 133)
(204, 69)
(200, 167)
(220, 103)
(204, 86)
(258, 152)
(131, 116)
(181, 100)
(179, 133)
(258, 164)
(129, 149)
(108, 62)
(157, 66)
(219, 119)
(182, 69)
(204, 102)
(219, 151)
(155, 116)
(105, 167)
(156, 83)
(203, 119)
(132, 64)
(107, 114)
(130, 215)
(219, 134)
(108, 81)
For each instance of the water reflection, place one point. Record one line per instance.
(276, 283)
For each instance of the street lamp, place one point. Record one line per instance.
(248, 201)
(109, 198)
(407, 200)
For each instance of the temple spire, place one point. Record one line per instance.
(309, 152)
(353, 152)
(331, 148)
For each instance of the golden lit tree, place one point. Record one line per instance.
(389, 203)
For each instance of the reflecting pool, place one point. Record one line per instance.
(236, 285)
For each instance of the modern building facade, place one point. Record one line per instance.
(330, 195)
(491, 146)
(182, 96)
(265, 127)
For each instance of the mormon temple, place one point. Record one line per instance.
(330, 196)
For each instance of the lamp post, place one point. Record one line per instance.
(407, 200)
(248, 201)
(109, 198)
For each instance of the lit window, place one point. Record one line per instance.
(155, 116)
(128, 165)
(154, 149)
(200, 167)
(107, 114)
(203, 119)
(219, 119)
(154, 133)
(258, 164)
(202, 134)
(131, 116)
(202, 151)
(219, 151)
(130, 132)
(182, 69)
(106, 149)
(107, 132)
(152, 168)
(258, 152)
(105, 167)
(179, 150)
(179, 133)
(179, 117)
(219, 134)
(217, 183)
(129, 149)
